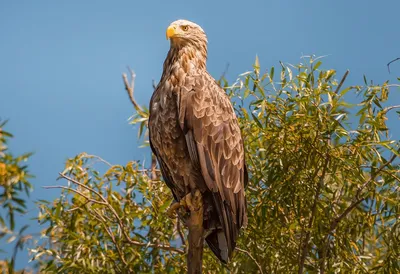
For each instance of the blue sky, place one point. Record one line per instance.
(61, 63)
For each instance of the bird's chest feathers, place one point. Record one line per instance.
(181, 65)
(165, 105)
(182, 70)
(171, 88)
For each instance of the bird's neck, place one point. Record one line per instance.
(185, 60)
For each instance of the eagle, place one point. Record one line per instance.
(195, 136)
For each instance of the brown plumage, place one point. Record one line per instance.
(195, 136)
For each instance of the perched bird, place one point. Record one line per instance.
(196, 138)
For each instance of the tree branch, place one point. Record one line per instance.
(77, 192)
(312, 217)
(153, 168)
(260, 270)
(118, 218)
(391, 107)
(85, 187)
(196, 232)
(130, 89)
(98, 158)
(342, 81)
(223, 74)
(354, 204)
(394, 60)
(111, 234)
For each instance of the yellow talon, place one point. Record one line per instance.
(189, 202)
(171, 212)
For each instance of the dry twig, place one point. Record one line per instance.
(130, 89)
(98, 158)
(394, 60)
(391, 107)
(223, 73)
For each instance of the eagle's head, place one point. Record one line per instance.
(184, 32)
(188, 52)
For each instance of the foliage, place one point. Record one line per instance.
(323, 195)
(324, 188)
(14, 182)
(111, 223)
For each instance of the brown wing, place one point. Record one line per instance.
(160, 142)
(165, 172)
(216, 148)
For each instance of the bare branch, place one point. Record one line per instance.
(85, 187)
(130, 89)
(77, 192)
(98, 158)
(149, 244)
(223, 73)
(342, 81)
(78, 207)
(394, 60)
(252, 258)
(391, 107)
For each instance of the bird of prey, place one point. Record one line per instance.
(196, 138)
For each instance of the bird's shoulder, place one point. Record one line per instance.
(206, 95)
(208, 111)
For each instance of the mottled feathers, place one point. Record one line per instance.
(195, 136)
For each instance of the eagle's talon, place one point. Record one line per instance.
(188, 201)
(183, 203)
(192, 202)
(205, 130)
(171, 211)
(197, 199)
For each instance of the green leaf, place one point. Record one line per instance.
(317, 65)
(257, 66)
(256, 120)
(344, 91)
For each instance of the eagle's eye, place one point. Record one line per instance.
(184, 28)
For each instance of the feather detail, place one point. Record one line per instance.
(196, 138)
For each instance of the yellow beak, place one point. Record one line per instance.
(170, 32)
